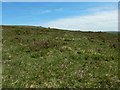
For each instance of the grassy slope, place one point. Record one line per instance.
(36, 57)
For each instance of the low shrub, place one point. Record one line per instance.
(38, 45)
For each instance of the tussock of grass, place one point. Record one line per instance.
(38, 45)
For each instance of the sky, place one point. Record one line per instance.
(84, 16)
(60, 0)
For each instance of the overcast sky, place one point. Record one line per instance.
(96, 16)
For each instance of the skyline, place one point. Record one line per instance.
(88, 16)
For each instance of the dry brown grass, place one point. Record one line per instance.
(38, 45)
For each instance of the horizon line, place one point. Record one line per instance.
(65, 29)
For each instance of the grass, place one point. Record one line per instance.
(37, 57)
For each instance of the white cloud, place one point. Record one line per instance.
(105, 8)
(49, 11)
(104, 20)
(46, 11)
(59, 9)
